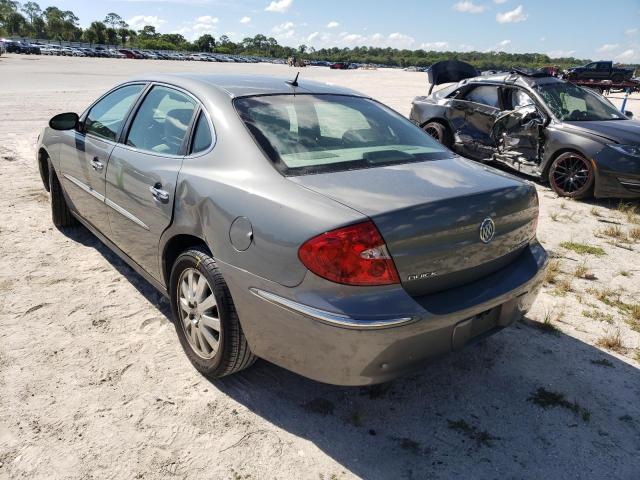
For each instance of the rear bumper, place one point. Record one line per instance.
(398, 334)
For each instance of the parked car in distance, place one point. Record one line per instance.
(599, 71)
(339, 66)
(536, 124)
(13, 46)
(130, 53)
(299, 222)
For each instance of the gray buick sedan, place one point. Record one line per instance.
(298, 222)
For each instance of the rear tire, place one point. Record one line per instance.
(60, 213)
(209, 330)
(572, 175)
(438, 131)
(617, 78)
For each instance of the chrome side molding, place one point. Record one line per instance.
(330, 318)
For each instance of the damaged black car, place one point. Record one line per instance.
(536, 124)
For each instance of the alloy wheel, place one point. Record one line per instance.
(435, 130)
(199, 315)
(571, 174)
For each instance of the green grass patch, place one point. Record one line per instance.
(582, 248)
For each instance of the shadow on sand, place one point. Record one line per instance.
(524, 403)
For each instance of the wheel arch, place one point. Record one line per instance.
(556, 153)
(441, 120)
(174, 247)
(43, 166)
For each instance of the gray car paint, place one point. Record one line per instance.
(209, 192)
(553, 135)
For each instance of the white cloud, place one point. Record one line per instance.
(205, 24)
(400, 40)
(354, 39)
(245, 20)
(184, 31)
(512, 16)
(608, 47)
(313, 36)
(629, 56)
(467, 6)
(466, 48)
(333, 24)
(437, 46)
(279, 6)
(561, 53)
(501, 46)
(499, 1)
(346, 39)
(139, 21)
(631, 31)
(283, 27)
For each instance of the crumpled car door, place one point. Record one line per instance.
(472, 124)
(518, 135)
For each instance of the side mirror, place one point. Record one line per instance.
(628, 113)
(64, 121)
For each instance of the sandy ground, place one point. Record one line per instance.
(93, 382)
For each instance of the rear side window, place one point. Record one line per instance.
(202, 135)
(485, 95)
(162, 121)
(105, 117)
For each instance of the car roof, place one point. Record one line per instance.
(245, 85)
(511, 78)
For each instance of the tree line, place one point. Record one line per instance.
(31, 21)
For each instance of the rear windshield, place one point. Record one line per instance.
(305, 134)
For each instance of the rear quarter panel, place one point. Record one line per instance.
(235, 180)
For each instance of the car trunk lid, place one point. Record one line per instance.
(430, 215)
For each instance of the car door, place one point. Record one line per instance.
(517, 132)
(84, 153)
(473, 114)
(603, 71)
(142, 173)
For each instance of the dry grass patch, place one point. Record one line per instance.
(614, 231)
(563, 286)
(625, 273)
(554, 216)
(634, 317)
(553, 271)
(595, 212)
(630, 211)
(596, 314)
(611, 340)
(549, 399)
(582, 271)
(547, 324)
(582, 248)
(634, 234)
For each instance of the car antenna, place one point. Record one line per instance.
(294, 82)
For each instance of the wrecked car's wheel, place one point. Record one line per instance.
(617, 78)
(205, 316)
(571, 175)
(438, 131)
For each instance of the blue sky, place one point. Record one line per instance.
(581, 28)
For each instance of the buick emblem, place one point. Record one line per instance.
(487, 230)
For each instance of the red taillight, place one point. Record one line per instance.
(353, 255)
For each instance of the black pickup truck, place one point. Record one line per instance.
(599, 71)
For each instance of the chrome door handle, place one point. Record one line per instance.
(159, 194)
(96, 164)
